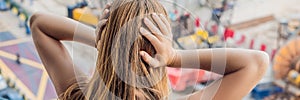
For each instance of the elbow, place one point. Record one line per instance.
(34, 21)
(261, 61)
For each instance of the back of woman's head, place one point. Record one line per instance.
(120, 71)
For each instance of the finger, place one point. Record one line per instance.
(152, 27)
(153, 40)
(100, 25)
(107, 6)
(98, 45)
(105, 14)
(164, 19)
(160, 24)
(160, 60)
(146, 57)
(149, 60)
(106, 10)
(99, 28)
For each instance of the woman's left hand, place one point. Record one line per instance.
(102, 22)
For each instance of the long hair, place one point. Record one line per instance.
(120, 71)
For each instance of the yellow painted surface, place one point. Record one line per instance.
(14, 10)
(203, 34)
(7, 72)
(14, 42)
(10, 74)
(23, 60)
(213, 39)
(85, 15)
(19, 84)
(187, 40)
(42, 86)
(22, 17)
(197, 38)
(297, 81)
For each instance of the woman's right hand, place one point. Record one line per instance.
(161, 38)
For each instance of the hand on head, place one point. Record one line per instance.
(102, 22)
(161, 39)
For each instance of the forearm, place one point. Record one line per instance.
(217, 59)
(55, 58)
(243, 70)
(62, 28)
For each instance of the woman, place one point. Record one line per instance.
(134, 43)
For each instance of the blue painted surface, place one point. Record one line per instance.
(5, 36)
(3, 6)
(264, 90)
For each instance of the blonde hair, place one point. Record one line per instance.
(120, 71)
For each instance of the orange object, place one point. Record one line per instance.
(85, 15)
(285, 57)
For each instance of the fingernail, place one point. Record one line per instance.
(142, 53)
(162, 15)
(108, 4)
(146, 20)
(155, 15)
(106, 11)
(101, 22)
(142, 30)
(105, 21)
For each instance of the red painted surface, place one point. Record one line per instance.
(182, 78)
(263, 47)
(197, 22)
(229, 33)
(242, 40)
(252, 44)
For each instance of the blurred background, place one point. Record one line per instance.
(271, 26)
